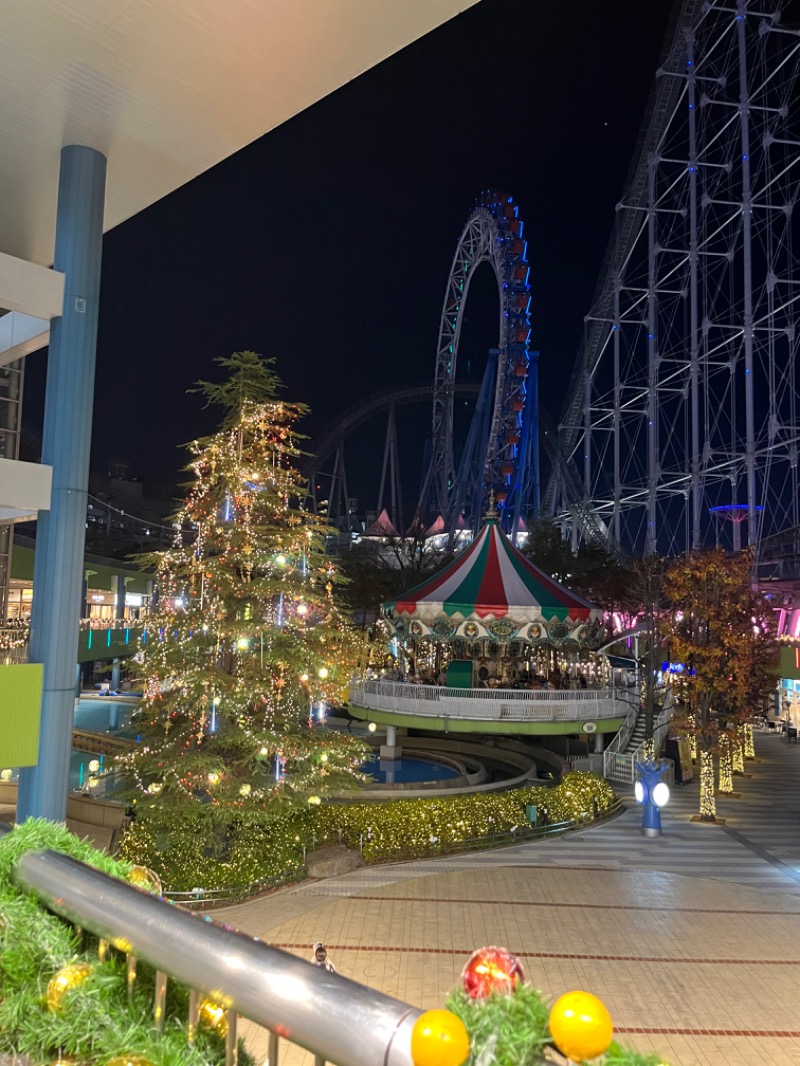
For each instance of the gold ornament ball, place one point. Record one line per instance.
(439, 1038)
(581, 1026)
(67, 978)
(129, 1060)
(213, 1016)
(144, 877)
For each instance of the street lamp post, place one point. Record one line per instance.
(652, 793)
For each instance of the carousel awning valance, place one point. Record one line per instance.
(491, 587)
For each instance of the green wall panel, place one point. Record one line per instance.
(20, 712)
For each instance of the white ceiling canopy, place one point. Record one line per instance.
(167, 88)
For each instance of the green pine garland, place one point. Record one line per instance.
(96, 1023)
(512, 1030)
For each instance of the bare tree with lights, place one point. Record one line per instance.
(246, 645)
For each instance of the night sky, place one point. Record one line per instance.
(328, 243)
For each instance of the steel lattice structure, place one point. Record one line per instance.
(493, 234)
(685, 394)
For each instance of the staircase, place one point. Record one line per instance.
(627, 748)
(636, 739)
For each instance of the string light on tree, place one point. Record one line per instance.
(708, 806)
(749, 744)
(725, 764)
(738, 751)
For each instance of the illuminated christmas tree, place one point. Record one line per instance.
(245, 647)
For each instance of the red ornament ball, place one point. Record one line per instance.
(491, 970)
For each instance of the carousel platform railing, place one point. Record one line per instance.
(516, 704)
(338, 1020)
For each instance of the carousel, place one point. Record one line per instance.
(493, 619)
(491, 637)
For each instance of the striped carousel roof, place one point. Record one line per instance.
(492, 579)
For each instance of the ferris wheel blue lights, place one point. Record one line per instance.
(495, 455)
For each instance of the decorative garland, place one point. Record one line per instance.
(496, 1019)
(59, 1002)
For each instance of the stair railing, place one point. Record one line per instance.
(620, 741)
(621, 765)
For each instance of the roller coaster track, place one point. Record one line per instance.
(377, 403)
(661, 106)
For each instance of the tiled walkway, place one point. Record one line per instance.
(693, 940)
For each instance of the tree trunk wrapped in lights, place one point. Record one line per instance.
(749, 743)
(708, 806)
(246, 645)
(725, 764)
(692, 737)
(738, 750)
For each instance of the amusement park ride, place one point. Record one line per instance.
(501, 451)
(683, 406)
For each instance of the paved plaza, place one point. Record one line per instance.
(692, 940)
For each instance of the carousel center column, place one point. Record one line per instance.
(390, 750)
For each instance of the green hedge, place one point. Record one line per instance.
(385, 831)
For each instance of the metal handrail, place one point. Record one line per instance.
(435, 692)
(621, 765)
(321, 1011)
(620, 741)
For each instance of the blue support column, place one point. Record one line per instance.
(58, 569)
(533, 386)
(527, 492)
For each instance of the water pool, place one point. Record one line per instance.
(105, 716)
(405, 771)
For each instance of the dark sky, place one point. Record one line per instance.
(328, 243)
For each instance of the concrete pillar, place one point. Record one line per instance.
(116, 674)
(390, 750)
(86, 608)
(58, 569)
(120, 585)
(599, 743)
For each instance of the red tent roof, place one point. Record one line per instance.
(382, 526)
(493, 579)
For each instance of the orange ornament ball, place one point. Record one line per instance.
(439, 1038)
(581, 1026)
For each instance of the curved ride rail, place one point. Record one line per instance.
(377, 403)
(493, 234)
(512, 705)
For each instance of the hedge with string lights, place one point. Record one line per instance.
(272, 854)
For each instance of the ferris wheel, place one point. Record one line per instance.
(500, 451)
